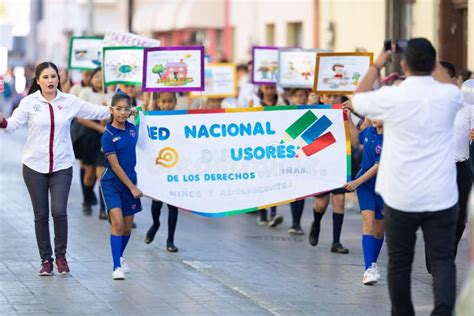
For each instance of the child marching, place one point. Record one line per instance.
(371, 204)
(119, 180)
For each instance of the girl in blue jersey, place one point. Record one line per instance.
(371, 204)
(119, 180)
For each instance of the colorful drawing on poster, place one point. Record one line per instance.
(123, 65)
(264, 65)
(220, 81)
(340, 73)
(296, 67)
(173, 69)
(85, 53)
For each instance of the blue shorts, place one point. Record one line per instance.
(369, 200)
(117, 195)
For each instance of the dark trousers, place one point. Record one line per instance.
(438, 232)
(172, 218)
(39, 186)
(464, 184)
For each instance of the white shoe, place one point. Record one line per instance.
(118, 274)
(124, 265)
(375, 267)
(369, 277)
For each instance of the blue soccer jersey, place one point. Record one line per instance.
(120, 142)
(372, 143)
(368, 199)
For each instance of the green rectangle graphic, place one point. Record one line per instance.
(299, 126)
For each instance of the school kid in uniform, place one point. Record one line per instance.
(92, 157)
(371, 204)
(166, 101)
(268, 96)
(77, 131)
(121, 195)
(322, 202)
(297, 97)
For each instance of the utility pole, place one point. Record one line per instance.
(130, 15)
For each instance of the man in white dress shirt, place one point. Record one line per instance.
(417, 174)
(463, 125)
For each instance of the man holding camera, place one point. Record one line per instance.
(417, 174)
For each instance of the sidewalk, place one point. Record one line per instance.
(227, 266)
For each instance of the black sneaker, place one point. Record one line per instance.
(313, 236)
(339, 248)
(295, 230)
(134, 225)
(150, 234)
(86, 209)
(275, 221)
(103, 215)
(170, 247)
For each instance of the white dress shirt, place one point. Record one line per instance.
(417, 170)
(48, 147)
(462, 125)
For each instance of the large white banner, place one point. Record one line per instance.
(240, 160)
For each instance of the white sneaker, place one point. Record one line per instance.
(118, 274)
(369, 277)
(375, 267)
(124, 265)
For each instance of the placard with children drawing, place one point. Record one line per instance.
(264, 65)
(85, 53)
(340, 73)
(220, 81)
(296, 67)
(173, 69)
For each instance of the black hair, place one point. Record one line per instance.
(260, 95)
(420, 56)
(156, 96)
(38, 70)
(120, 95)
(92, 75)
(449, 68)
(344, 98)
(243, 67)
(293, 91)
(465, 74)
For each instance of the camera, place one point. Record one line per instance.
(400, 45)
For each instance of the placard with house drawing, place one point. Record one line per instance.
(173, 69)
